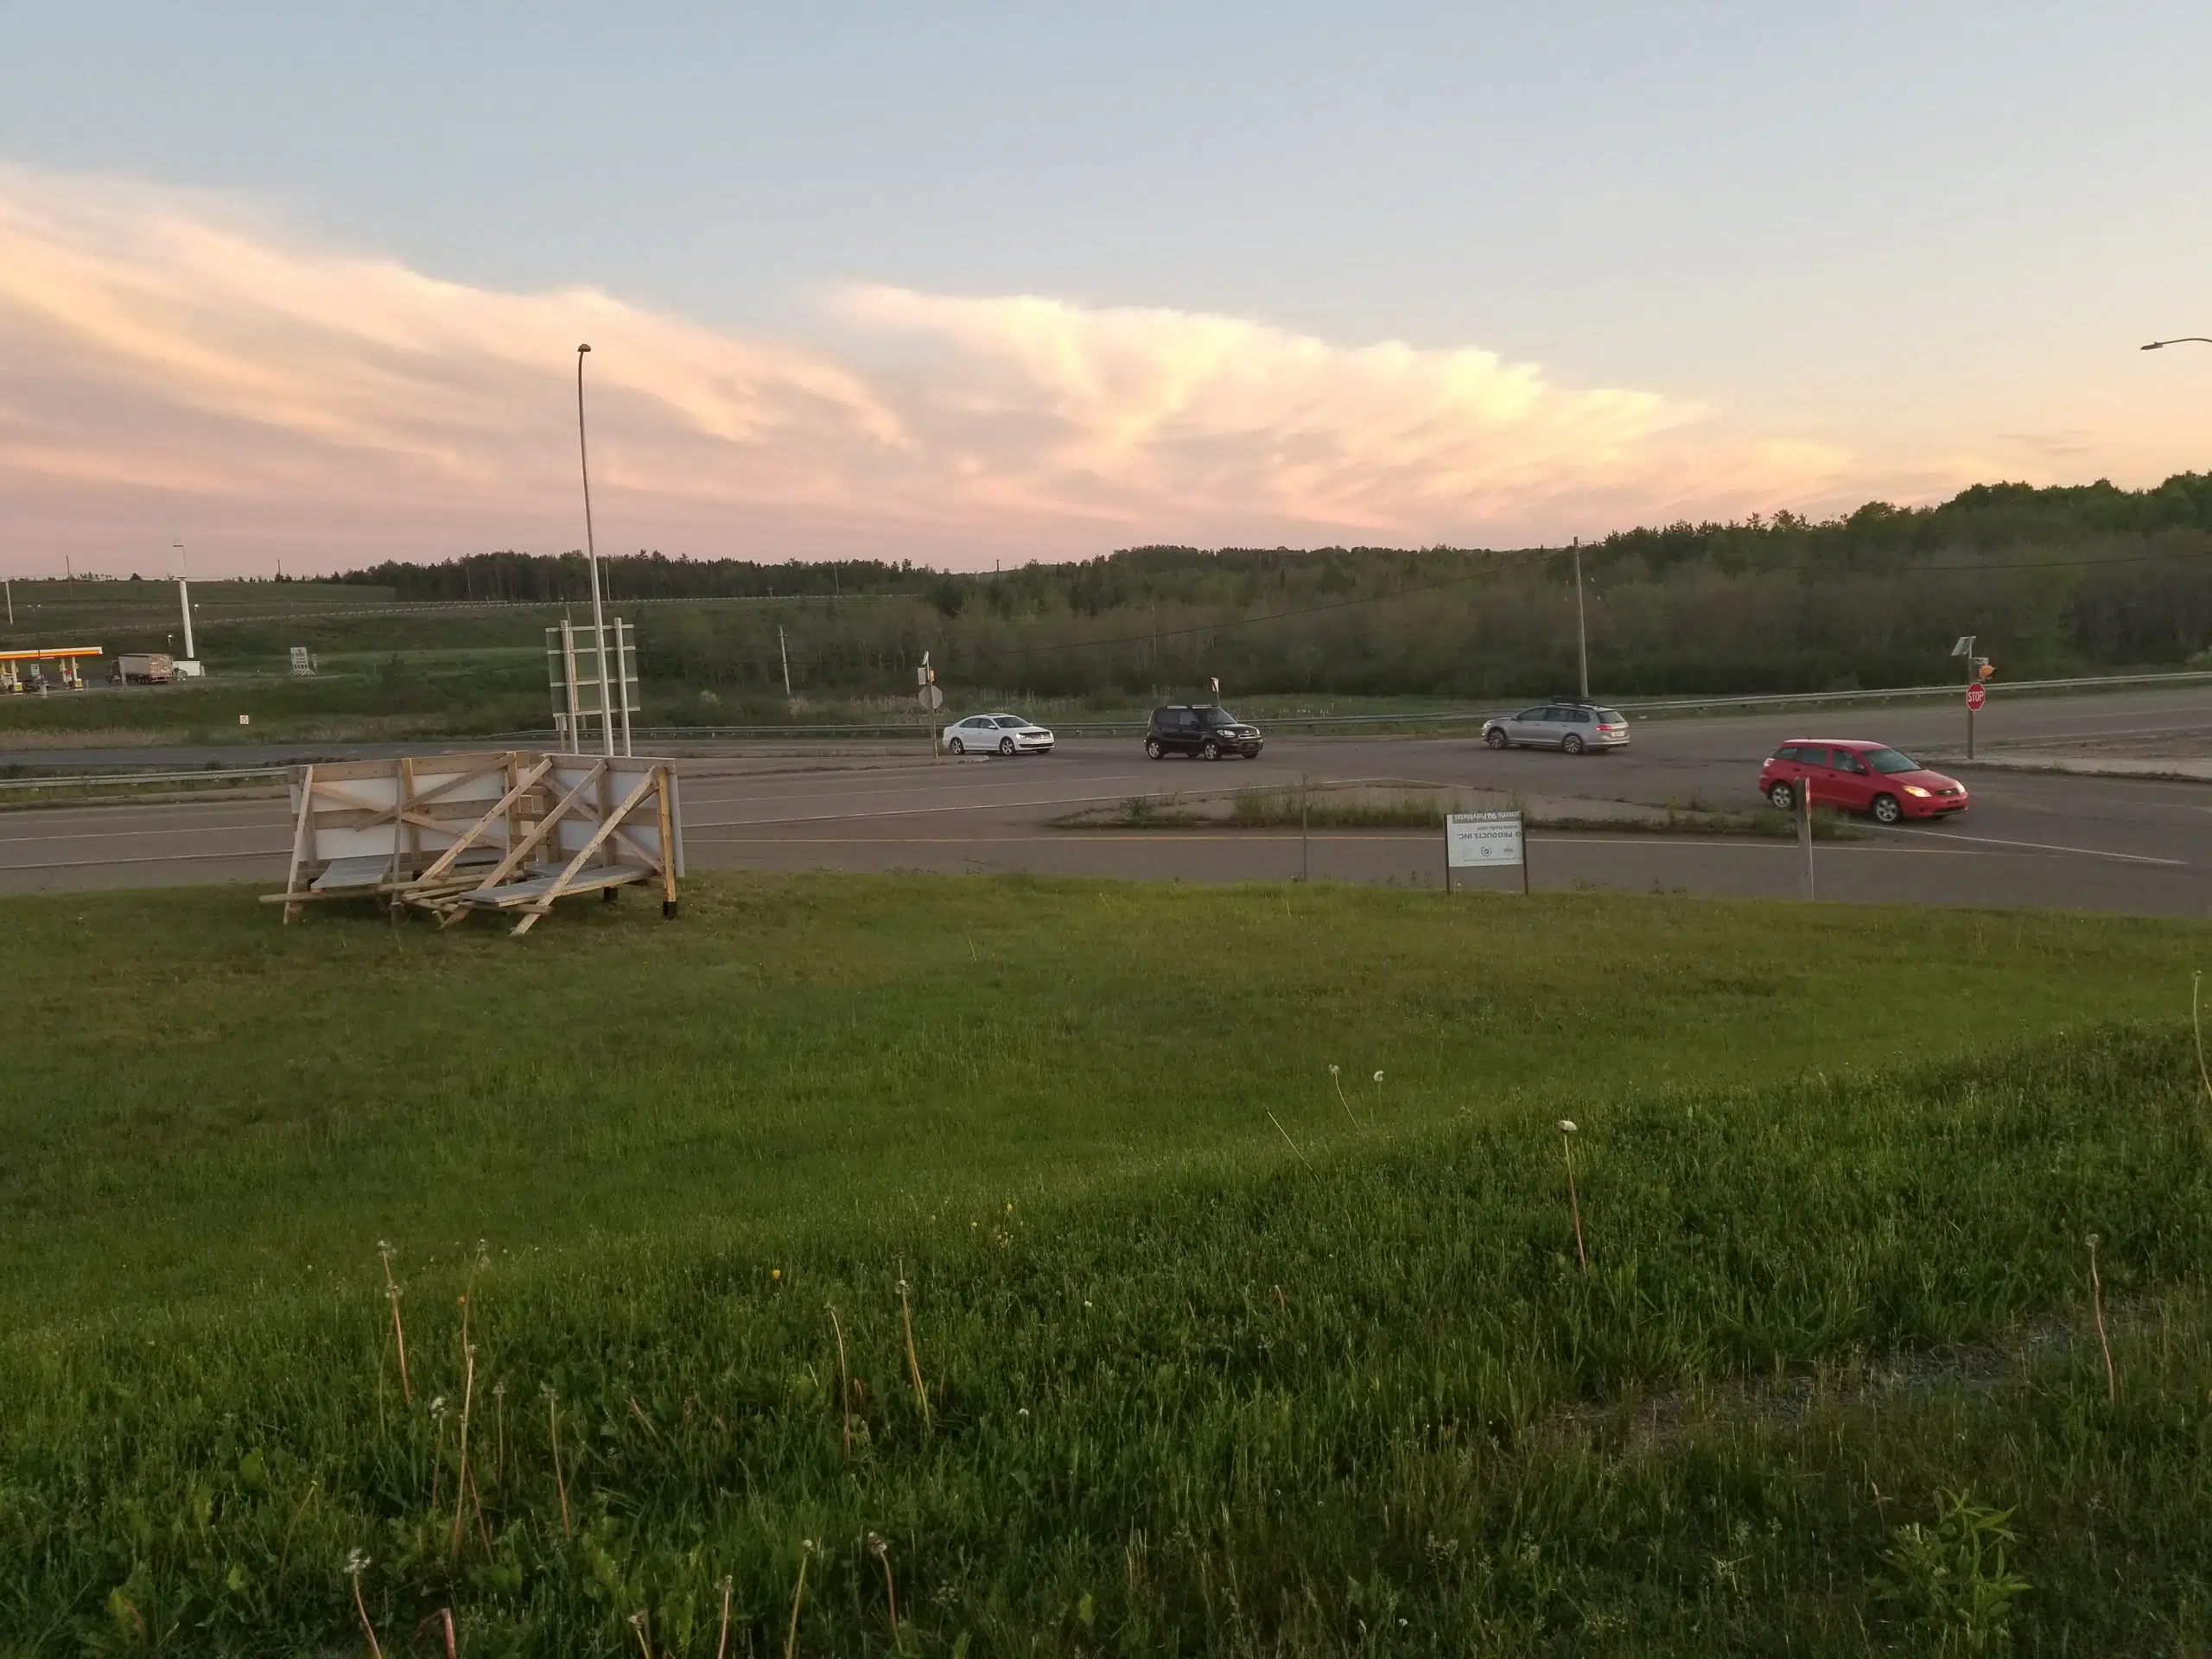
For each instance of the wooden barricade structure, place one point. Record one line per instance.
(506, 830)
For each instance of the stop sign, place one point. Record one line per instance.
(1976, 697)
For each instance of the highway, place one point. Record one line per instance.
(2133, 845)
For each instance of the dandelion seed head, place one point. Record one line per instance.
(1334, 1070)
(1566, 1125)
(357, 1562)
(1378, 1077)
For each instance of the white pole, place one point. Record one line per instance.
(787, 651)
(184, 598)
(569, 666)
(1581, 627)
(10, 586)
(591, 554)
(625, 646)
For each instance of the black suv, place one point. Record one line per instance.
(1196, 728)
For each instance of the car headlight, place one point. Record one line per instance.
(1914, 789)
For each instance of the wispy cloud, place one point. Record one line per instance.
(170, 358)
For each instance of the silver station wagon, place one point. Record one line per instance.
(1575, 728)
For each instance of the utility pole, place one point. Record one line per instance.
(11, 588)
(786, 651)
(591, 554)
(1581, 625)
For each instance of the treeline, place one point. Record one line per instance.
(2053, 582)
(542, 578)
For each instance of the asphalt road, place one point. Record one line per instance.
(2126, 845)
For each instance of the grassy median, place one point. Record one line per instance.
(1202, 1345)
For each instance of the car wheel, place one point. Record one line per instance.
(1496, 737)
(958, 747)
(1005, 745)
(1211, 749)
(1886, 809)
(1152, 747)
(1784, 797)
(1571, 744)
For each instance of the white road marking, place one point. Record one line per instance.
(2045, 847)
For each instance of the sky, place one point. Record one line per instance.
(302, 286)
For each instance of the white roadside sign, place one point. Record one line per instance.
(1482, 840)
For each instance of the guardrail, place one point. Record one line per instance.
(916, 729)
(1786, 699)
(1447, 716)
(206, 774)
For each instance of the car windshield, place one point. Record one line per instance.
(1218, 717)
(1892, 761)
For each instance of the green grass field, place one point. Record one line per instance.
(1222, 1350)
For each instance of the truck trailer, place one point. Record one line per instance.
(153, 668)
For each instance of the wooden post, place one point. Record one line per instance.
(667, 846)
(1524, 857)
(403, 808)
(299, 843)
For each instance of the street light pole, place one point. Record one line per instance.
(1581, 625)
(591, 555)
(2179, 339)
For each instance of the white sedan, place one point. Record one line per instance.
(997, 734)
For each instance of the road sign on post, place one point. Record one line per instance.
(1975, 697)
(1484, 841)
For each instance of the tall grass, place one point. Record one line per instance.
(1112, 1369)
(1371, 1405)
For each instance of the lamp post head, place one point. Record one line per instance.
(2154, 346)
(581, 350)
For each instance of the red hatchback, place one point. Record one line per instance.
(1858, 777)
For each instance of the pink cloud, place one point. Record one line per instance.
(174, 366)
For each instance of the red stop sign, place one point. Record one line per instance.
(1976, 697)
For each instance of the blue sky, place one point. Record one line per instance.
(1924, 241)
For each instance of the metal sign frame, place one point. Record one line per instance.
(572, 671)
(1485, 841)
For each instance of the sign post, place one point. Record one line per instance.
(930, 696)
(1977, 669)
(1484, 841)
(1804, 793)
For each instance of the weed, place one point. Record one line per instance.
(1952, 1579)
